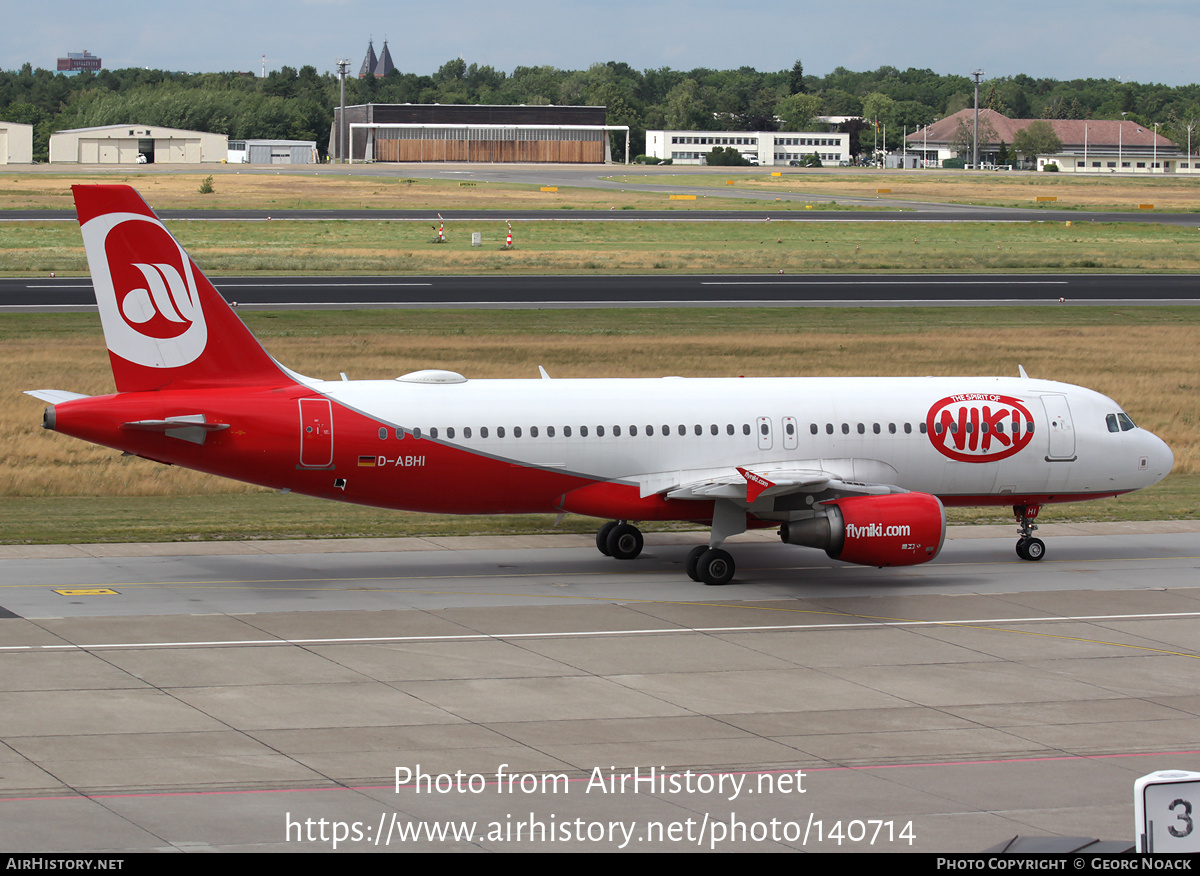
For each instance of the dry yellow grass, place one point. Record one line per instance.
(342, 188)
(324, 189)
(1126, 192)
(1149, 369)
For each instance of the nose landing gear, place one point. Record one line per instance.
(1028, 547)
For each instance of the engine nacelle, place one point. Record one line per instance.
(901, 529)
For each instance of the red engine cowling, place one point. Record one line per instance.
(902, 529)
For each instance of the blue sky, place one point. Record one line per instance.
(1140, 40)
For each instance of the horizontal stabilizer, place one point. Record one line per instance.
(54, 396)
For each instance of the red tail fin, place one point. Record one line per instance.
(164, 323)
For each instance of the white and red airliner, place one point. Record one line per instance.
(859, 467)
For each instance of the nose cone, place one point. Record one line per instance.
(1159, 458)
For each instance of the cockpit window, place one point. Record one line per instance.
(1126, 423)
(1111, 420)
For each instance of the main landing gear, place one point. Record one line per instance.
(706, 563)
(620, 540)
(1028, 547)
(709, 565)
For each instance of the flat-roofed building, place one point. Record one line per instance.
(76, 62)
(766, 148)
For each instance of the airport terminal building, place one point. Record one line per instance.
(436, 132)
(767, 148)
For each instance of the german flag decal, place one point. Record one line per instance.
(366, 462)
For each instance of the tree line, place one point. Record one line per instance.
(299, 104)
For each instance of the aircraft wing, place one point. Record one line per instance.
(750, 483)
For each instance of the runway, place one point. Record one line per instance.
(65, 294)
(262, 695)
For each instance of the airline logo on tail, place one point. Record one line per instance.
(145, 290)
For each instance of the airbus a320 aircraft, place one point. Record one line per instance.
(859, 467)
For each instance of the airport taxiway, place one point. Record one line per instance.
(262, 695)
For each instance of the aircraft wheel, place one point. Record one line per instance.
(691, 564)
(624, 542)
(715, 567)
(602, 537)
(1021, 548)
(1035, 549)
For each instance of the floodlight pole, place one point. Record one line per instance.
(342, 64)
(975, 141)
(1120, 137)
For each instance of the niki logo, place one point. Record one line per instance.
(150, 306)
(979, 427)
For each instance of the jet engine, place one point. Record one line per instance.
(901, 529)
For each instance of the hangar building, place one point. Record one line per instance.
(273, 152)
(123, 144)
(16, 143)
(438, 132)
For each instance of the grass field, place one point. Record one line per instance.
(335, 189)
(572, 247)
(59, 489)
(342, 188)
